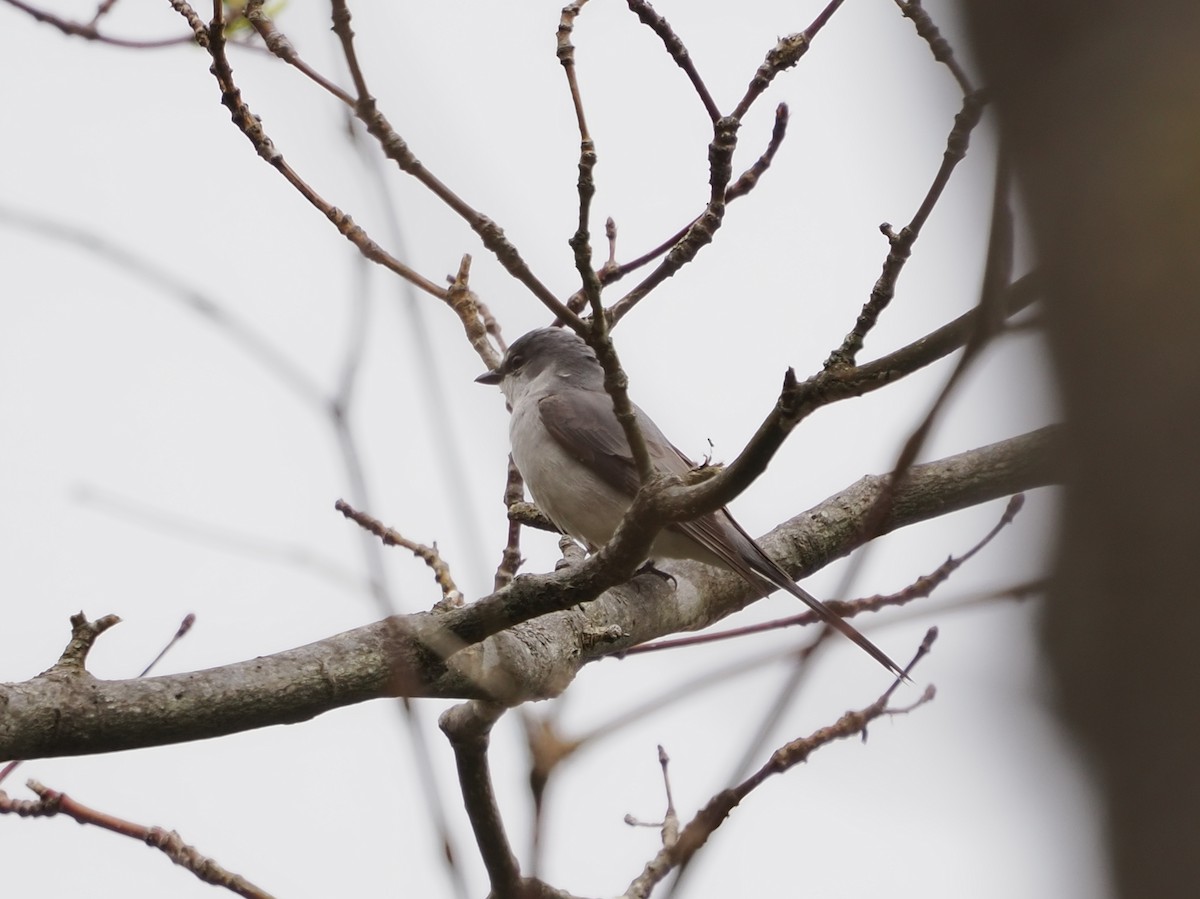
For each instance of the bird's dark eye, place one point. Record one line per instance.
(515, 362)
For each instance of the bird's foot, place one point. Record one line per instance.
(649, 568)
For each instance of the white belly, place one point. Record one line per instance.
(580, 503)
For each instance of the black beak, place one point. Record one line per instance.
(489, 377)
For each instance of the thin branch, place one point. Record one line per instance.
(52, 802)
(90, 31)
(102, 10)
(997, 279)
(279, 45)
(181, 632)
(901, 244)
(713, 815)
(921, 588)
(940, 47)
(677, 51)
(611, 272)
(463, 301)
(566, 56)
(720, 151)
(428, 554)
(251, 126)
(701, 232)
(798, 400)
(84, 634)
(748, 180)
(530, 516)
(580, 242)
(785, 54)
(510, 560)
(616, 383)
(71, 713)
(396, 149)
(786, 694)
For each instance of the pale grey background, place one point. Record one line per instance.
(109, 384)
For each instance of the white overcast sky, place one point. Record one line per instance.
(112, 388)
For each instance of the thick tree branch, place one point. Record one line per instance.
(70, 712)
(469, 728)
(799, 399)
(51, 802)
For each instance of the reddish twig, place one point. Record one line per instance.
(52, 802)
(451, 596)
(678, 52)
(940, 47)
(713, 815)
(921, 588)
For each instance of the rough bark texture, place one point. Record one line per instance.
(66, 711)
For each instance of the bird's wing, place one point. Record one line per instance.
(724, 537)
(584, 424)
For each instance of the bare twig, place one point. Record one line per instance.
(997, 279)
(466, 306)
(91, 32)
(596, 334)
(184, 626)
(901, 244)
(251, 126)
(510, 560)
(786, 694)
(405, 656)
(700, 232)
(797, 400)
(785, 54)
(428, 554)
(612, 272)
(530, 516)
(748, 180)
(678, 52)
(84, 634)
(396, 149)
(102, 10)
(942, 51)
(52, 802)
(670, 828)
(921, 588)
(276, 42)
(708, 819)
(180, 633)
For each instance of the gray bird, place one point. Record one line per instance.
(573, 455)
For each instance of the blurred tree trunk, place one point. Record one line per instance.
(1099, 108)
